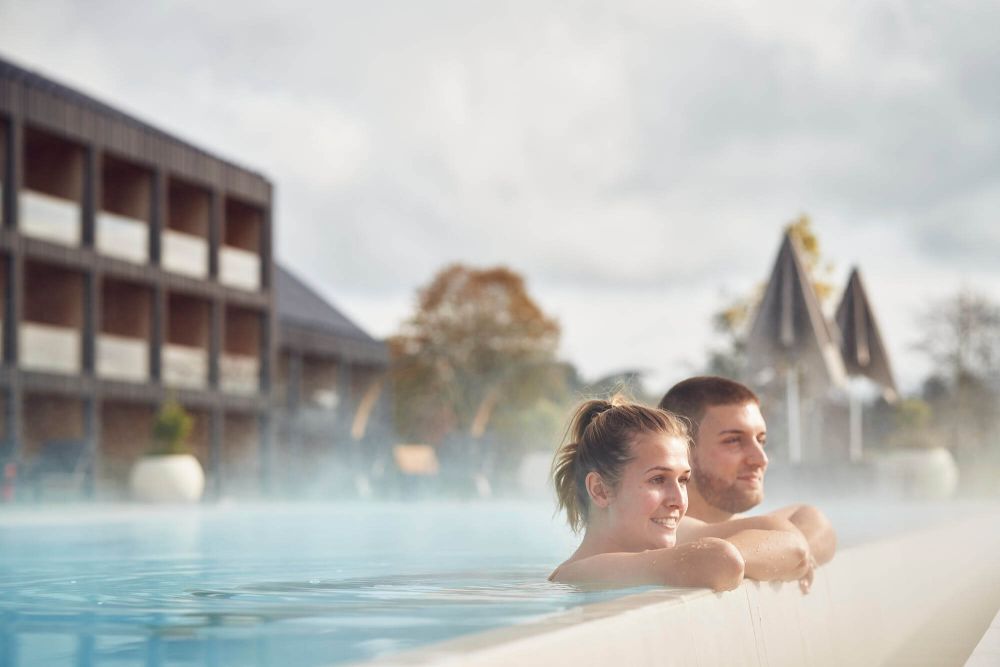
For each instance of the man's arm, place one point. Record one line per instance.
(772, 547)
(775, 555)
(815, 527)
(691, 529)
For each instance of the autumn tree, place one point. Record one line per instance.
(731, 322)
(476, 360)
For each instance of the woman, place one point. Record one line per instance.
(623, 479)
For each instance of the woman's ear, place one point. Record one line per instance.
(598, 491)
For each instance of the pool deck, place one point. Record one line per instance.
(926, 598)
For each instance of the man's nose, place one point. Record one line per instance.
(758, 457)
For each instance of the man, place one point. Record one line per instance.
(728, 462)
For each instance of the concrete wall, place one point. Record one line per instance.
(923, 599)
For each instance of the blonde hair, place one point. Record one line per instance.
(599, 439)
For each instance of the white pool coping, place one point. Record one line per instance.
(987, 651)
(925, 598)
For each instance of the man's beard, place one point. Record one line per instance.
(725, 496)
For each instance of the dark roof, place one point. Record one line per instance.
(861, 341)
(789, 326)
(14, 73)
(308, 320)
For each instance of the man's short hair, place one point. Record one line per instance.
(692, 397)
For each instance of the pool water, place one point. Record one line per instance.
(298, 585)
(285, 585)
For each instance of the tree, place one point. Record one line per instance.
(732, 320)
(961, 338)
(477, 354)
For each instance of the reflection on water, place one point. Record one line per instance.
(297, 585)
(293, 587)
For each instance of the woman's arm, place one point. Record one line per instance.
(707, 563)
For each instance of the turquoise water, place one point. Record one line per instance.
(270, 585)
(298, 585)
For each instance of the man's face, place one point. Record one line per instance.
(728, 459)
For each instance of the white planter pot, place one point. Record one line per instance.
(174, 478)
(919, 473)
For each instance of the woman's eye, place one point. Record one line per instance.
(657, 480)
(684, 480)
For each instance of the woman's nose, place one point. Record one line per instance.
(676, 496)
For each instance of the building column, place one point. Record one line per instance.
(92, 436)
(13, 171)
(216, 220)
(157, 215)
(217, 324)
(216, 433)
(13, 309)
(91, 195)
(293, 391)
(266, 251)
(345, 399)
(92, 304)
(157, 332)
(265, 436)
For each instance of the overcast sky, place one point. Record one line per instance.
(636, 161)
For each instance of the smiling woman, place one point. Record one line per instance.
(623, 479)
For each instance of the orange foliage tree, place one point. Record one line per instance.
(477, 350)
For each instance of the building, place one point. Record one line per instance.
(332, 407)
(815, 372)
(135, 267)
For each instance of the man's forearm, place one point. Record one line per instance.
(816, 528)
(772, 554)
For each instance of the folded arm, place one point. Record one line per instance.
(773, 549)
(705, 563)
(815, 527)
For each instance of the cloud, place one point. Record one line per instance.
(630, 153)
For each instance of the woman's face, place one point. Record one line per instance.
(651, 498)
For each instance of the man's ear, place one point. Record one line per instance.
(599, 492)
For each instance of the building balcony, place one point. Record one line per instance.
(185, 253)
(48, 217)
(122, 358)
(185, 366)
(53, 349)
(122, 237)
(239, 374)
(239, 268)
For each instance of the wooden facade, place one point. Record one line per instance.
(37, 114)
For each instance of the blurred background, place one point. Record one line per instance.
(341, 251)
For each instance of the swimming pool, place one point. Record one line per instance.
(292, 585)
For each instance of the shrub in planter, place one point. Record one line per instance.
(169, 472)
(917, 464)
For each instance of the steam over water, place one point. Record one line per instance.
(295, 585)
